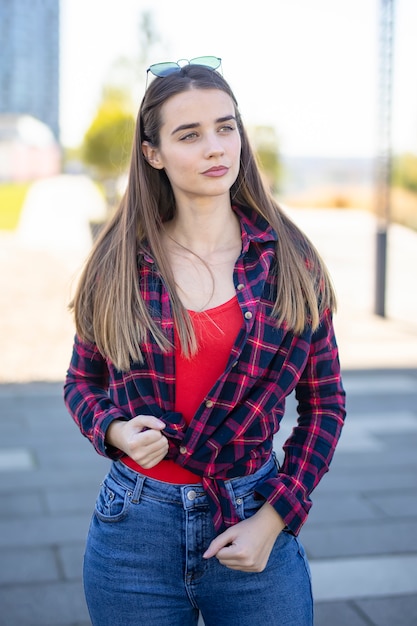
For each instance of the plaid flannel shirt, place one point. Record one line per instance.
(232, 432)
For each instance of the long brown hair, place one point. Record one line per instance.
(108, 305)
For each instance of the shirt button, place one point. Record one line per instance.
(240, 286)
(183, 450)
(191, 495)
(248, 315)
(209, 404)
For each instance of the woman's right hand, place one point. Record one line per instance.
(140, 438)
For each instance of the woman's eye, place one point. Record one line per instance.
(188, 136)
(227, 128)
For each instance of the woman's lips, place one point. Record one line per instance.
(220, 170)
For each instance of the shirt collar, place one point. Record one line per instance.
(254, 227)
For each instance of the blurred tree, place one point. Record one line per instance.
(265, 143)
(404, 172)
(108, 141)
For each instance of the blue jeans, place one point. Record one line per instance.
(143, 564)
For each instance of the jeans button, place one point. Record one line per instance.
(191, 495)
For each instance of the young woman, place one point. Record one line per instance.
(201, 307)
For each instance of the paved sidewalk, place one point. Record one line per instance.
(360, 538)
(346, 240)
(361, 534)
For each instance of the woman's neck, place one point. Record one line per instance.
(204, 231)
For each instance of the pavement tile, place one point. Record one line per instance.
(43, 478)
(380, 383)
(16, 459)
(32, 404)
(43, 604)
(44, 530)
(390, 611)
(12, 428)
(71, 560)
(328, 509)
(61, 457)
(72, 499)
(28, 565)
(401, 441)
(394, 504)
(378, 459)
(364, 576)
(338, 614)
(373, 479)
(53, 413)
(365, 538)
(21, 504)
(47, 437)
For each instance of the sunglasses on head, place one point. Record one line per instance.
(169, 67)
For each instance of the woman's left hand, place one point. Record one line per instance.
(246, 546)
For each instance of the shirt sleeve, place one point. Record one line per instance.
(86, 396)
(310, 448)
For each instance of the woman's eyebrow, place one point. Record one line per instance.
(191, 125)
(185, 127)
(226, 118)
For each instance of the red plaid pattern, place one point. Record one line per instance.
(232, 432)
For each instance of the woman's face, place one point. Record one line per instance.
(199, 144)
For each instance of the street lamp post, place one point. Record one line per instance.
(384, 158)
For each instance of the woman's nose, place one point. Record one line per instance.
(213, 145)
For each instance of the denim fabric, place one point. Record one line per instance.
(143, 563)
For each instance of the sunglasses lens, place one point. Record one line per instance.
(212, 62)
(163, 69)
(167, 68)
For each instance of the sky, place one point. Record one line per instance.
(308, 68)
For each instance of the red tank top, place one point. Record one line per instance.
(216, 330)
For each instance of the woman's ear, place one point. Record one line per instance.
(152, 155)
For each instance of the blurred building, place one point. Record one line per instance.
(28, 149)
(29, 59)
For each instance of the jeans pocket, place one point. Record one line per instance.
(249, 504)
(112, 502)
